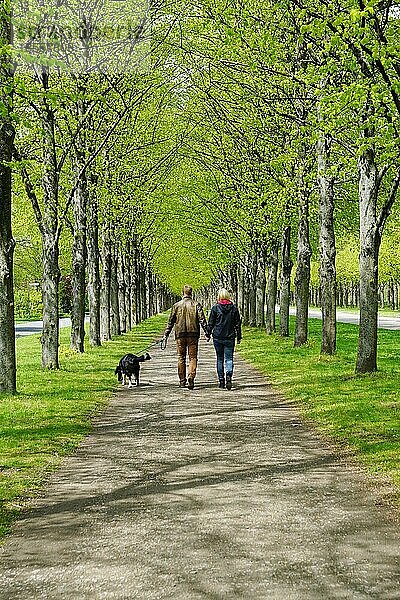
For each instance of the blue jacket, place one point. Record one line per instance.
(224, 322)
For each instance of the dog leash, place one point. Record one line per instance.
(162, 342)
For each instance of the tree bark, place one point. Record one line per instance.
(303, 270)
(286, 270)
(50, 239)
(105, 292)
(234, 284)
(241, 281)
(123, 317)
(143, 291)
(252, 294)
(79, 263)
(369, 252)
(128, 289)
(272, 264)
(371, 229)
(7, 244)
(115, 324)
(136, 297)
(149, 291)
(80, 207)
(93, 261)
(261, 284)
(47, 220)
(246, 293)
(327, 246)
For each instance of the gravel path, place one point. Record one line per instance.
(206, 494)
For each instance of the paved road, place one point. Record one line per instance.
(32, 327)
(203, 495)
(348, 317)
(354, 318)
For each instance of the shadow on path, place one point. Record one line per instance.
(207, 494)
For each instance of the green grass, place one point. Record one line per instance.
(52, 410)
(360, 413)
(28, 319)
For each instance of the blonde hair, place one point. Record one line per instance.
(223, 294)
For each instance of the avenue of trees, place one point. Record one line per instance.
(249, 144)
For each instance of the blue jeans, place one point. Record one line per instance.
(224, 350)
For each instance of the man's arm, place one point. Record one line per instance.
(171, 322)
(202, 318)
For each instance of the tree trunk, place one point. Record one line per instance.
(149, 292)
(80, 207)
(261, 285)
(143, 291)
(47, 221)
(123, 317)
(115, 324)
(272, 264)
(105, 292)
(252, 262)
(51, 278)
(128, 289)
(327, 247)
(234, 284)
(7, 244)
(286, 270)
(369, 252)
(303, 270)
(136, 297)
(50, 239)
(79, 263)
(246, 294)
(135, 319)
(93, 261)
(156, 295)
(241, 280)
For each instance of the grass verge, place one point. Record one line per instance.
(360, 412)
(53, 409)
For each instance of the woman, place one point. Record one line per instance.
(224, 324)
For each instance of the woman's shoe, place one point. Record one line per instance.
(228, 381)
(221, 383)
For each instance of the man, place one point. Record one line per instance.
(187, 315)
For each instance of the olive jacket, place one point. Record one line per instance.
(187, 315)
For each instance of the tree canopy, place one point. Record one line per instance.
(180, 144)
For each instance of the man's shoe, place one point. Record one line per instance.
(182, 383)
(190, 383)
(228, 382)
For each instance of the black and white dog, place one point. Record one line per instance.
(129, 366)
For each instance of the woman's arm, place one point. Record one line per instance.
(211, 320)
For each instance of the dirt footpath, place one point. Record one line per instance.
(203, 494)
